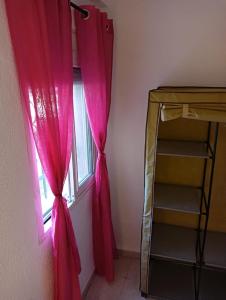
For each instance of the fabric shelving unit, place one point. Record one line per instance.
(182, 261)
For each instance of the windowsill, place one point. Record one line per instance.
(82, 190)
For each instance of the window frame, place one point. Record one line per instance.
(89, 180)
(78, 188)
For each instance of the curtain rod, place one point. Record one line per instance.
(82, 11)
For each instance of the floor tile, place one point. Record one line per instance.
(125, 286)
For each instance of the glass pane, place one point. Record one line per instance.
(82, 131)
(46, 194)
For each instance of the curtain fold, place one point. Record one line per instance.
(95, 53)
(41, 38)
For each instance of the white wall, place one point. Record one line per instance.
(157, 42)
(98, 3)
(26, 263)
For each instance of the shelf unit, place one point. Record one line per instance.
(178, 252)
(180, 149)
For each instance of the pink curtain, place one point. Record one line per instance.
(41, 38)
(95, 47)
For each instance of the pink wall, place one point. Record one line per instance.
(157, 42)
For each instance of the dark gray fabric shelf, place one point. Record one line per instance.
(171, 281)
(177, 198)
(215, 250)
(213, 285)
(173, 243)
(182, 148)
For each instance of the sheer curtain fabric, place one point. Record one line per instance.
(95, 50)
(41, 38)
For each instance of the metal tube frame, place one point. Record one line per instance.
(202, 233)
(204, 212)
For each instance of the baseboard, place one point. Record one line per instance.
(85, 292)
(126, 253)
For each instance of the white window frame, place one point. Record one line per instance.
(89, 181)
(78, 189)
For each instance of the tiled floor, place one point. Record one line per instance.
(125, 286)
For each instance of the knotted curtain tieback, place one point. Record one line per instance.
(101, 153)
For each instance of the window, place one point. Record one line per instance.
(46, 194)
(84, 145)
(81, 164)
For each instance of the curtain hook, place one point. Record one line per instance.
(87, 16)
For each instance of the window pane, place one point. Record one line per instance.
(84, 153)
(82, 131)
(46, 194)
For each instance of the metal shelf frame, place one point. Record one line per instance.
(202, 234)
(207, 152)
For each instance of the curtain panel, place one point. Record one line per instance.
(95, 51)
(41, 38)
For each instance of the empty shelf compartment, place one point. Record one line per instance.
(215, 250)
(171, 281)
(172, 242)
(213, 285)
(177, 198)
(182, 148)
